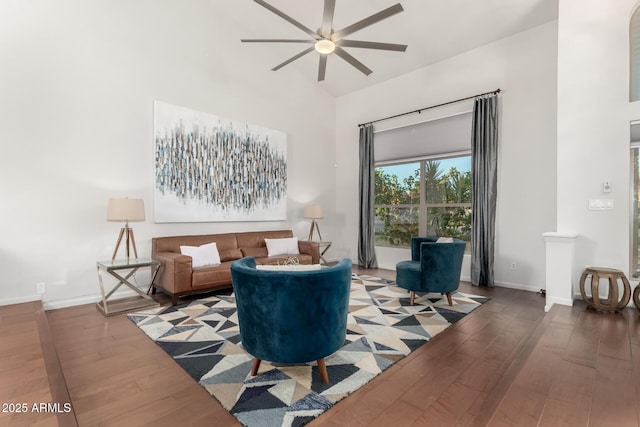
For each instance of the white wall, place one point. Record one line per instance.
(524, 67)
(77, 82)
(593, 128)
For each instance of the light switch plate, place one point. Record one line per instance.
(600, 204)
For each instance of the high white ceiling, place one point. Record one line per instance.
(433, 29)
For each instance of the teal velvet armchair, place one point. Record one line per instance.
(292, 316)
(434, 267)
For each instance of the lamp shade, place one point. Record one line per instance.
(313, 211)
(121, 210)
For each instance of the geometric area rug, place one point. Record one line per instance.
(382, 327)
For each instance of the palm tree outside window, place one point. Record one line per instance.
(428, 197)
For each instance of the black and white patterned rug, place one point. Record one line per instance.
(203, 337)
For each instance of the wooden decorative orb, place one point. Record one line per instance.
(636, 296)
(614, 302)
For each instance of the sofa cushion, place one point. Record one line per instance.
(255, 252)
(255, 239)
(230, 254)
(173, 243)
(205, 277)
(202, 255)
(286, 246)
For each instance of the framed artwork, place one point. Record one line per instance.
(212, 169)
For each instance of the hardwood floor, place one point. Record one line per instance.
(30, 371)
(506, 364)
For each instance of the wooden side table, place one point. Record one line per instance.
(113, 268)
(613, 302)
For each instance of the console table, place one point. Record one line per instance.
(115, 269)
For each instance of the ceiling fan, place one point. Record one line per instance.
(326, 40)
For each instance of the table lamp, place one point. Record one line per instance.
(313, 212)
(125, 210)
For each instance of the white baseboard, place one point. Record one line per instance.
(630, 304)
(530, 288)
(70, 302)
(560, 301)
(569, 302)
(19, 300)
(506, 285)
(89, 299)
(85, 299)
(518, 286)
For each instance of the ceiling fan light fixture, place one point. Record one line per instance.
(325, 46)
(326, 41)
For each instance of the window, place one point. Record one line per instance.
(430, 197)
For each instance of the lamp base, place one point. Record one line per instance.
(314, 225)
(128, 232)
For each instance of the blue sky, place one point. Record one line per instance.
(463, 164)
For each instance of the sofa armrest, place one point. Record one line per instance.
(174, 274)
(310, 248)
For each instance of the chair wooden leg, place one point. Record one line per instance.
(449, 298)
(256, 366)
(323, 371)
(413, 296)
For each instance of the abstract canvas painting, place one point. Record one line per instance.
(212, 169)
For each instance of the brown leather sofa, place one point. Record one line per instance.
(177, 277)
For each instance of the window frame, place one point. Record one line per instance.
(634, 211)
(422, 205)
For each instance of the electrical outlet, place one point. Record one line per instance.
(41, 287)
(514, 266)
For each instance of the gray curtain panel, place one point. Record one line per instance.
(484, 174)
(366, 234)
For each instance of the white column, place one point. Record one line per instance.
(560, 251)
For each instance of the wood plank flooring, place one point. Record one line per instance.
(30, 373)
(506, 364)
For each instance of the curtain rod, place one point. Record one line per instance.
(428, 108)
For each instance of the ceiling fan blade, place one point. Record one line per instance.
(372, 45)
(376, 17)
(276, 41)
(351, 60)
(327, 18)
(287, 18)
(304, 52)
(322, 67)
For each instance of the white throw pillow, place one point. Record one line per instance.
(286, 246)
(444, 240)
(297, 267)
(202, 255)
